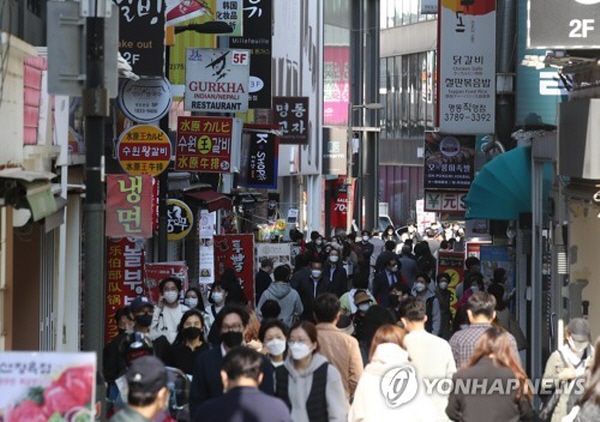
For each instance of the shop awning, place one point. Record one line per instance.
(502, 188)
(29, 189)
(210, 199)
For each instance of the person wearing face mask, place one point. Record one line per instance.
(194, 300)
(189, 342)
(398, 293)
(232, 323)
(169, 311)
(315, 249)
(273, 336)
(441, 301)
(569, 362)
(309, 288)
(385, 279)
(475, 282)
(334, 274)
(362, 302)
(366, 249)
(288, 299)
(310, 386)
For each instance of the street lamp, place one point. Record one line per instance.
(370, 192)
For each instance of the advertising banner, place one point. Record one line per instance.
(339, 203)
(179, 219)
(205, 144)
(236, 251)
(449, 161)
(216, 80)
(498, 256)
(156, 271)
(257, 38)
(144, 149)
(452, 263)
(142, 35)
(124, 277)
(336, 85)
(47, 386)
(128, 206)
(261, 166)
(279, 253)
(335, 151)
(564, 24)
(207, 228)
(291, 114)
(467, 66)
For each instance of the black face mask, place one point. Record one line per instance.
(191, 333)
(232, 338)
(143, 320)
(394, 300)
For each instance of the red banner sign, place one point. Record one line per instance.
(128, 206)
(156, 271)
(204, 144)
(339, 203)
(452, 263)
(236, 251)
(124, 270)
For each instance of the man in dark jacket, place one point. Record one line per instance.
(311, 287)
(334, 275)
(262, 281)
(242, 372)
(206, 380)
(385, 279)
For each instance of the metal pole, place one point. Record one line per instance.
(95, 107)
(163, 186)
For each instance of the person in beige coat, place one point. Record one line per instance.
(570, 361)
(338, 347)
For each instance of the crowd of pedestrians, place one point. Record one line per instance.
(321, 342)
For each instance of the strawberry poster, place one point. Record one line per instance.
(236, 251)
(39, 387)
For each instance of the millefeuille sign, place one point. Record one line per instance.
(564, 24)
(216, 80)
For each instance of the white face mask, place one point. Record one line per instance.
(394, 269)
(577, 346)
(218, 297)
(192, 302)
(334, 258)
(276, 347)
(365, 238)
(315, 273)
(363, 307)
(443, 285)
(319, 242)
(170, 296)
(299, 350)
(335, 245)
(420, 287)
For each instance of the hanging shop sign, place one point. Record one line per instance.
(179, 219)
(142, 34)
(47, 386)
(453, 264)
(144, 150)
(335, 151)
(445, 202)
(125, 275)
(128, 206)
(291, 114)
(339, 203)
(216, 80)
(208, 144)
(145, 100)
(449, 161)
(467, 66)
(261, 166)
(257, 38)
(236, 251)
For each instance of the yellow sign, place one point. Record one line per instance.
(144, 150)
(180, 219)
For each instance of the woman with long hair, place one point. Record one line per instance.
(590, 401)
(310, 386)
(494, 384)
(373, 400)
(188, 343)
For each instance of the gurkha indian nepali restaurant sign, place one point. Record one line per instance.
(216, 80)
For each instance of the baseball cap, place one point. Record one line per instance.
(147, 374)
(579, 329)
(345, 324)
(140, 302)
(361, 297)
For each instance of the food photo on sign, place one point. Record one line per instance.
(449, 161)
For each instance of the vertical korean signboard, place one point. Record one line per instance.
(216, 80)
(452, 263)
(128, 206)
(236, 251)
(258, 39)
(449, 161)
(124, 270)
(291, 114)
(467, 66)
(260, 168)
(142, 35)
(204, 144)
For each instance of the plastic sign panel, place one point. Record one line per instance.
(154, 272)
(449, 161)
(562, 24)
(180, 219)
(291, 114)
(144, 150)
(467, 66)
(236, 251)
(146, 100)
(128, 206)
(216, 80)
(260, 168)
